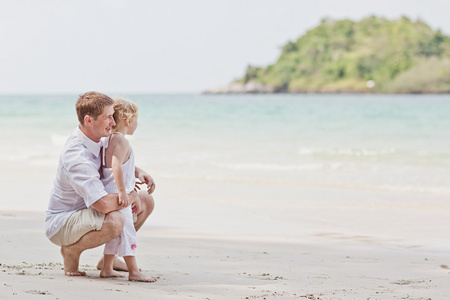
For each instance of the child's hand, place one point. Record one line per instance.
(150, 186)
(123, 199)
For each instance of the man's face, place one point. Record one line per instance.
(102, 126)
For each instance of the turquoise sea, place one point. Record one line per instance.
(255, 156)
(386, 142)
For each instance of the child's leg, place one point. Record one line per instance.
(109, 254)
(127, 246)
(107, 270)
(135, 274)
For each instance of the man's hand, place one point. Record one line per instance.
(135, 201)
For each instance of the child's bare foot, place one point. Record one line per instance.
(138, 276)
(71, 259)
(110, 273)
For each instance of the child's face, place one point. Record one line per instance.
(132, 125)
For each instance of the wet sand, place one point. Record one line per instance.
(198, 265)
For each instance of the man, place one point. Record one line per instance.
(81, 214)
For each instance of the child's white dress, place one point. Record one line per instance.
(125, 243)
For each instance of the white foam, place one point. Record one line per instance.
(268, 167)
(355, 152)
(303, 167)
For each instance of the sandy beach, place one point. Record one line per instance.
(225, 264)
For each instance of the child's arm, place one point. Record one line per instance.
(144, 178)
(119, 156)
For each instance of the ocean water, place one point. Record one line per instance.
(259, 159)
(376, 142)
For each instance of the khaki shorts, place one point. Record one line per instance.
(78, 224)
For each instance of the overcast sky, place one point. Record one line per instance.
(164, 46)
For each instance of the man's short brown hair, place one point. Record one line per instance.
(92, 104)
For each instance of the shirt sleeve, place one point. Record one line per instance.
(85, 180)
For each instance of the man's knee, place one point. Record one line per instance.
(147, 202)
(113, 223)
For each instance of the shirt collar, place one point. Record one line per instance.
(94, 147)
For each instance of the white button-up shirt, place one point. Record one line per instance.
(77, 184)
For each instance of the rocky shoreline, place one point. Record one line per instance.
(253, 87)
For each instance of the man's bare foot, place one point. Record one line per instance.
(138, 276)
(118, 265)
(111, 273)
(71, 259)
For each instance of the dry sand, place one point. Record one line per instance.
(195, 265)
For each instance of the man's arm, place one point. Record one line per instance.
(109, 203)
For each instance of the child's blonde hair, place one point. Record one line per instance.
(123, 110)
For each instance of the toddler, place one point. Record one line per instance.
(119, 177)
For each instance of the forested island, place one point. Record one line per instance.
(374, 55)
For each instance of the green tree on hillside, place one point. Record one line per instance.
(344, 55)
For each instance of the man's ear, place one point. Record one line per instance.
(87, 119)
